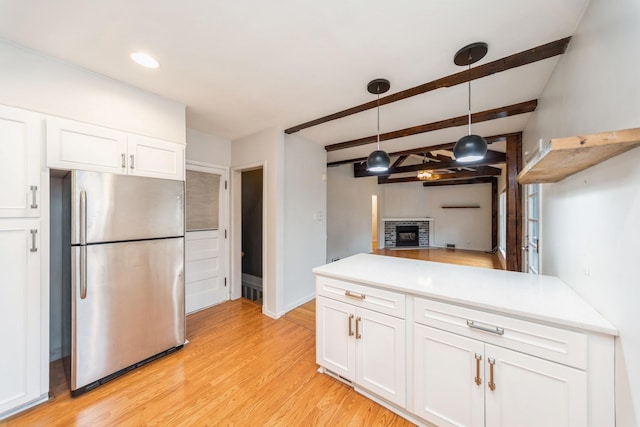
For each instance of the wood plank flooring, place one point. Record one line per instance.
(240, 369)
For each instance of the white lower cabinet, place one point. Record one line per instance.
(464, 382)
(20, 314)
(364, 347)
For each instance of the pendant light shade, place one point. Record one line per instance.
(378, 161)
(470, 148)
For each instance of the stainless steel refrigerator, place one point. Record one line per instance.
(126, 270)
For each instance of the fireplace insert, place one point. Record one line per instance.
(407, 235)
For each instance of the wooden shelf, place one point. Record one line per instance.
(565, 156)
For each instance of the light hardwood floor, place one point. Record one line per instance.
(240, 369)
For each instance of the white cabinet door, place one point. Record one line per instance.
(532, 392)
(380, 355)
(19, 313)
(19, 163)
(335, 337)
(76, 145)
(448, 378)
(155, 158)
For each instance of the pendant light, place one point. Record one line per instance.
(378, 161)
(470, 148)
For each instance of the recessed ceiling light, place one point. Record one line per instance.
(145, 60)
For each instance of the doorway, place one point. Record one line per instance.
(532, 221)
(252, 232)
(206, 231)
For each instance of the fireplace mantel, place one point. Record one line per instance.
(407, 219)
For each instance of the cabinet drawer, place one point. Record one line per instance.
(558, 345)
(375, 299)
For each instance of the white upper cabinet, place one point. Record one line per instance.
(155, 158)
(20, 133)
(76, 145)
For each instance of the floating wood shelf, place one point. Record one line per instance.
(461, 207)
(565, 156)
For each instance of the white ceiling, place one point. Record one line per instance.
(244, 65)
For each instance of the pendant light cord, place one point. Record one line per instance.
(469, 92)
(378, 118)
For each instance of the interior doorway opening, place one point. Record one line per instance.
(252, 232)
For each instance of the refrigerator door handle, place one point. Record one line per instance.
(83, 217)
(83, 272)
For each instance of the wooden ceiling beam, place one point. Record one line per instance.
(482, 116)
(525, 57)
(491, 158)
(399, 161)
(447, 146)
(481, 180)
(479, 172)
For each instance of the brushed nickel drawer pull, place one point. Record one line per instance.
(354, 295)
(350, 325)
(477, 378)
(358, 320)
(34, 201)
(34, 248)
(492, 329)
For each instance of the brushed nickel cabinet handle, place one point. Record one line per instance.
(477, 378)
(493, 329)
(350, 325)
(34, 248)
(354, 295)
(492, 384)
(131, 164)
(358, 320)
(34, 201)
(124, 160)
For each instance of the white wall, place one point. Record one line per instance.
(265, 148)
(305, 217)
(590, 230)
(39, 83)
(348, 212)
(207, 148)
(466, 228)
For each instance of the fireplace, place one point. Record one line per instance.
(407, 235)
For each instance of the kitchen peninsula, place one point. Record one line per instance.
(456, 345)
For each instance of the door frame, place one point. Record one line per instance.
(525, 229)
(223, 220)
(236, 231)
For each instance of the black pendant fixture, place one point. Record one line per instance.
(378, 161)
(470, 148)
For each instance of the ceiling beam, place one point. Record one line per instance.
(481, 180)
(399, 161)
(525, 57)
(479, 172)
(421, 150)
(491, 158)
(482, 116)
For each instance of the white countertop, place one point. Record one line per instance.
(529, 296)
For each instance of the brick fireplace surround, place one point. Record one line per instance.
(390, 225)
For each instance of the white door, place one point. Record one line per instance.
(380, 355)
(532, 392)
(19, 312)
(19, 163)
(449, 378)
(335, 337)
(532, 239)
(206, 238)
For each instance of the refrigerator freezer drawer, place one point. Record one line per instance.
(121, 207)
(133, 306)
